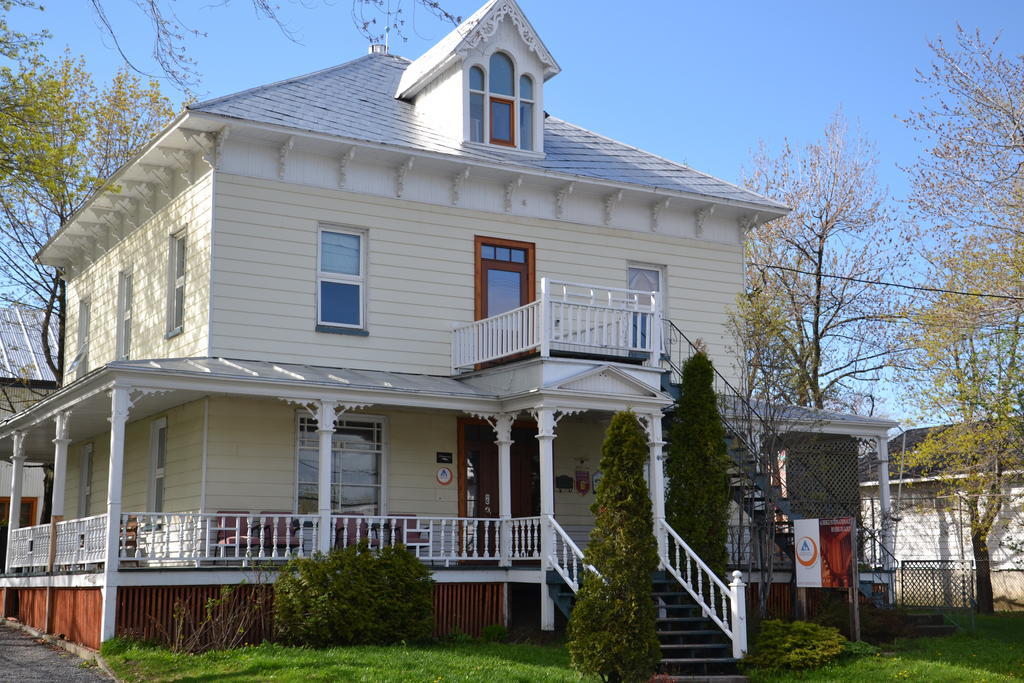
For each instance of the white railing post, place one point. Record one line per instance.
(14, 518)
(120, 403)
(656, 330)
(544, 321)
(738, 616)
(656, 477)
(325, 417)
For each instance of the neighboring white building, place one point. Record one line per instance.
(414, 253)
(932, 523)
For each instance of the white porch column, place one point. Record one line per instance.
(503, 430)
(885, 500)
(656, 476)
(325, 417)
(120, 404)
(545, 436)
(60, 464)
(17, 470)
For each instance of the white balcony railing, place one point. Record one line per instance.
(29, 547)
(81, 541)
(569, 318)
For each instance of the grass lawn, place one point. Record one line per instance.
(995, 652)
(437, 663)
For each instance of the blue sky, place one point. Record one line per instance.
(697, 82)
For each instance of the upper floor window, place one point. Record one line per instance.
(341, 278)
(176, 284)
(124, 316)
(80, 364)
(499, 112)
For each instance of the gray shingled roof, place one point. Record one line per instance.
(356, 100)
(21, 345)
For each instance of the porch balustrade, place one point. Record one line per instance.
(566, 558)
(191, 539)
(567, 317)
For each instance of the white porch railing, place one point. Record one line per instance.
(29, 547)
(156, 539)
(81, 541)
(566, 558)
(568, 317)
(724, 605)
(442, 540)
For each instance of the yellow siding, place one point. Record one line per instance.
(144, 253)
(420, 274)
(183, 464)
(415, 440)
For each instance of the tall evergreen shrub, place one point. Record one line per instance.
(612, 629)
(697, 467)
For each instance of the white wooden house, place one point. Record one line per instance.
(392, 299)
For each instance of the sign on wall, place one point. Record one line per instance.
(824, 552)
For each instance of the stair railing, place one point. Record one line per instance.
(725, 605)
(566, 558)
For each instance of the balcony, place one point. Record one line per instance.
(568, 319)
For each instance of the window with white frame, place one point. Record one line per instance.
(357, 461)
(501, 106)
(176, 283)
(80, 364)
(341, 278)
(84, 480)
(158, 464)
(125, 297)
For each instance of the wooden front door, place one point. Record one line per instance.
(478, 469)
(28, 512)
(504, 275)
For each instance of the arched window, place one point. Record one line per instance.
(476, 104)
(525, 112)
(502, 109)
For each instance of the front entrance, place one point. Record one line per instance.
(478, 467)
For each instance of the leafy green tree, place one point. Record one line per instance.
(967, 367)
(68, 137)
(697, 466)
(612, 629)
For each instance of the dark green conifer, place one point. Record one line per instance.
(697, 467)
(612, 629)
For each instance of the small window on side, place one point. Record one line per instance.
(125, 298)
(526, 113)
(176, 290)
(476, 104)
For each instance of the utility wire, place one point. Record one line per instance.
(917, 288)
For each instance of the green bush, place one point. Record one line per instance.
(794, 646)
(355, 596)
(611, 632)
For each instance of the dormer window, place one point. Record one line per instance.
(496, 110)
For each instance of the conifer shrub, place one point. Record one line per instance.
(697, 467)
(611, 632)
(794, 646)
(354, 596)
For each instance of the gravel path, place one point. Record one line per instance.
(22, 658)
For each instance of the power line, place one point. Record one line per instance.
(882, 283)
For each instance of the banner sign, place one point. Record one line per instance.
(824, 552)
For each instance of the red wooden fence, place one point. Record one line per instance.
(468, 607)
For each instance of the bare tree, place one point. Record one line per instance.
(374, 19)
(813, 327)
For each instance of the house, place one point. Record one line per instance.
(932, 532)
(390, 300)
(24, 379)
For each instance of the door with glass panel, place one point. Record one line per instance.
(643, 279)
(505, 276)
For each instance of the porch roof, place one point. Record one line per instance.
(159, 384)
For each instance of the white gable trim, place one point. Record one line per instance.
(467, 38)
(607, 380)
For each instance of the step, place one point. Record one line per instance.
(694, 632)
(689, 620)
(700, 660)
(697, 646)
